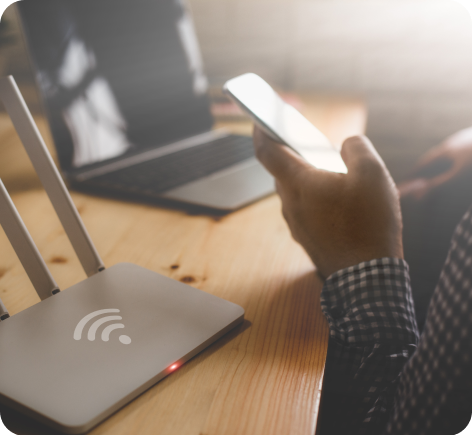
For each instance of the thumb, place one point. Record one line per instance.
(278, 159)
(360, 156)
(443, 178)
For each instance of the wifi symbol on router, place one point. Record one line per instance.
(92, 332)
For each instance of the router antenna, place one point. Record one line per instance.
(25, 248)
(49, 176)
(3, 312)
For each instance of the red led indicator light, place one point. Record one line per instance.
(174, 366)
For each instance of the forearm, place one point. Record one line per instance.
(373, 333)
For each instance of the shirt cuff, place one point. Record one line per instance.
(371, 303)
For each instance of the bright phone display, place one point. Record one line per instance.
(283, 122)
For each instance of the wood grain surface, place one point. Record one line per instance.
(263, 377)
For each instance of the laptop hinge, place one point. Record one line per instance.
(155, 153)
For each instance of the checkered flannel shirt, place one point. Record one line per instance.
(380, 375)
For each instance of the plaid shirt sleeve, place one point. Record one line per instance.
(373, 333)
(379, 376)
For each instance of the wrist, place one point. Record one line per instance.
(328, 267)
(374, 299)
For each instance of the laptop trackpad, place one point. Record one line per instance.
(228, 189)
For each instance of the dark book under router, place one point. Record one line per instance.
(76, 357)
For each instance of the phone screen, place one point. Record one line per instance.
(283, 122)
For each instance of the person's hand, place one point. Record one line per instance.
(441, 164)
(340, 219)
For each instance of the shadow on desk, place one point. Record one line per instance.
(136, 198)
(19, 423)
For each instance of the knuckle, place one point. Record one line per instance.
(288, 217)
(354, 141)
(370, 166)
(262, 152)
(285, 213)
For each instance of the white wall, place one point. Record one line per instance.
(361, 45)
(410, 59)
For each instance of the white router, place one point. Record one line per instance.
(76, 357)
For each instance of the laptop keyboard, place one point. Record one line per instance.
(166, 172)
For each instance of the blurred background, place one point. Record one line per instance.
(409, 60)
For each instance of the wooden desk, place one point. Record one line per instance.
(265, 376)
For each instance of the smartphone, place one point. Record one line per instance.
(282, 122)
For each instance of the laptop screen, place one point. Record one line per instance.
(116, 76)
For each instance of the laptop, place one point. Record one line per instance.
(125, 95)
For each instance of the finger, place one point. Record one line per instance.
(415, 188)
(282, 162)
(443, 178)
(429, 159)
(287, 213)
(360, 156)
(278, 187)
(421, 187)
(285, 193)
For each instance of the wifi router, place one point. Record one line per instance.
(79, 355)
(75, 358)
